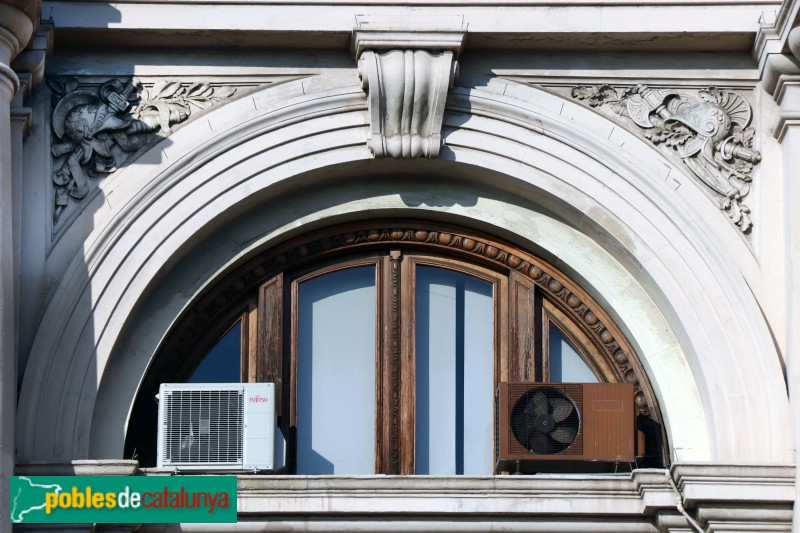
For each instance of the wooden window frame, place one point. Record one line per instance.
(552, 315)
(528, 295)
(499, 341)
(290, 355)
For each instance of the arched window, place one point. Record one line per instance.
(387, 341)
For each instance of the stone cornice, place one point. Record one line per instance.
(610, 26)
(432, 41)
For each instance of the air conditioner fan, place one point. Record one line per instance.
(545, 421)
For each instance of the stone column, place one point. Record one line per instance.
(16, 27)
(782, 79)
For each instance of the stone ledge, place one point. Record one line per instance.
(735, 483)
(723, 498)
(80, 467)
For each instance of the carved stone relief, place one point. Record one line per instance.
(98, 129)
(711, 133)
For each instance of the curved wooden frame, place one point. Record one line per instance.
(368, 236)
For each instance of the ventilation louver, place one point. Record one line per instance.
(216, 426)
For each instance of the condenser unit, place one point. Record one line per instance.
(219, 426)
(565, 422)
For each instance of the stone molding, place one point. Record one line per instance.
(706, 482)
(371, 39)
(787, 96)
(406, 76)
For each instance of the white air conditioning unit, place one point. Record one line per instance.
(216, 426)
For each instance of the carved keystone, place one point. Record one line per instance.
(406, 76)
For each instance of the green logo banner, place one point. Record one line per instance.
(122, 499)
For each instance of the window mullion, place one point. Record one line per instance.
(407, 392)
(389, 375)
(541, 360)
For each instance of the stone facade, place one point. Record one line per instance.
(650, 150)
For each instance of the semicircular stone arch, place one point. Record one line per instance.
(625, 235)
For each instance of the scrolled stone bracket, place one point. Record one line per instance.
(406, 76)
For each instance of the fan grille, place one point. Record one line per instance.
(546, 420)
(203, 426)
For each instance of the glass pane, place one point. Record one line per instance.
(455, 373)
(223, 364)
(336, 373)
(566, 363)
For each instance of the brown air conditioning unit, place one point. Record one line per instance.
(565, 422)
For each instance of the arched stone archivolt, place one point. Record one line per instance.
(548, 173)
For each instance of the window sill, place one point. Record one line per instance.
(755, 497)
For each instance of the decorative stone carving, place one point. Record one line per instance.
(710, 133)
(406, 75)
(407, 91)
(96, 131)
